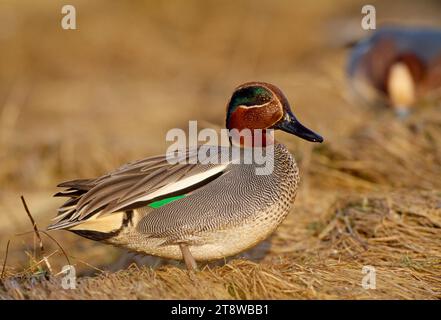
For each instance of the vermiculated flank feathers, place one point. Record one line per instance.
(140, 181)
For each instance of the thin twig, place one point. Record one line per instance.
(6, 259)
(50, 237)
(58, 244)
(89, 265)
(36, 263)
(34, 225)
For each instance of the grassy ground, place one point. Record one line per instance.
(79, 103)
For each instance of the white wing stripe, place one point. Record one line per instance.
(184, 183)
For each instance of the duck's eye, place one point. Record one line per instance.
(250, 96)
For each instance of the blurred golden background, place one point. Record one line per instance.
(78, 103)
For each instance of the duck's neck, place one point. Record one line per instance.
(252, 138)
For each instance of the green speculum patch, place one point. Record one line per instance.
(163, 202)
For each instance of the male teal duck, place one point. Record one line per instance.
(397, 66)
(191, 210)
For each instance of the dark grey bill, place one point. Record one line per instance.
(293, 126)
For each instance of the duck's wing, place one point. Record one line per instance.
(140, 183)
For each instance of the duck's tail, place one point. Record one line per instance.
(94, 228)
(75, 189)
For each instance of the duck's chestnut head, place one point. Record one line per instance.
(260, 105)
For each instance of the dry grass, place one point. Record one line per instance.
(398, 234)
(78, 104)
(385, 152)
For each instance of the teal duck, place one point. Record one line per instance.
(191, 210)
(397, 67)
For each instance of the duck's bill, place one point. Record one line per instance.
(293, 126)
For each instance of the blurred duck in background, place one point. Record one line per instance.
(397, 67)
